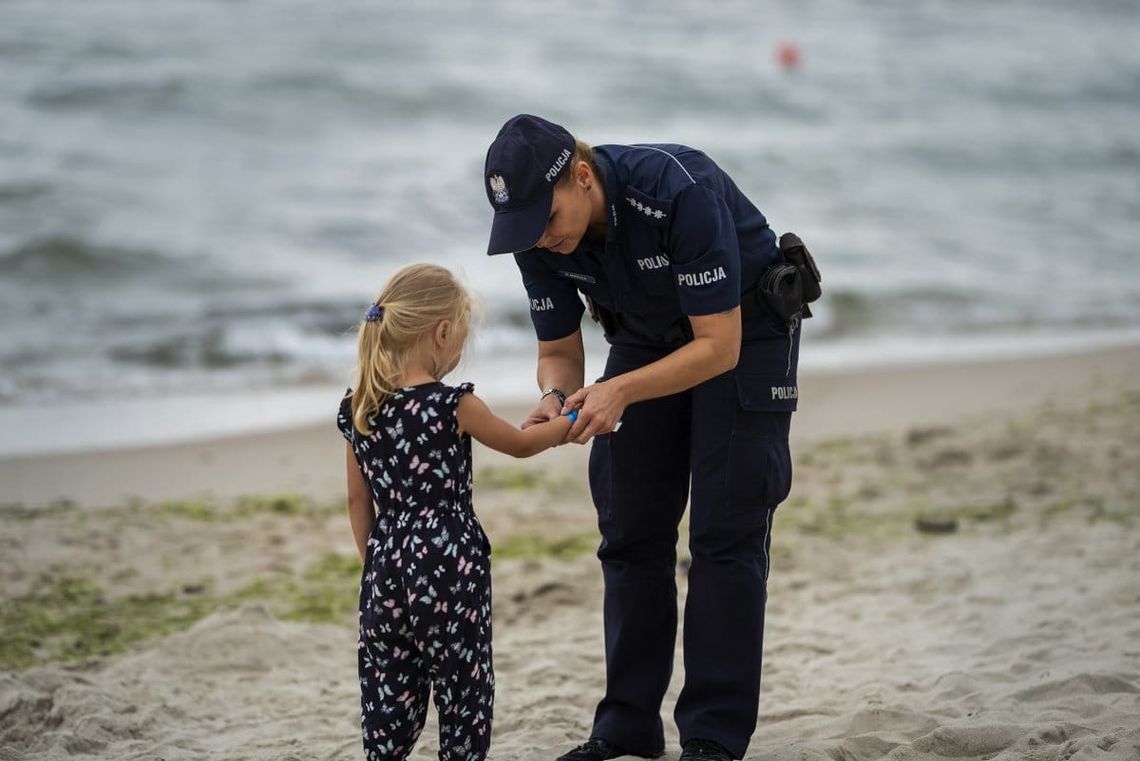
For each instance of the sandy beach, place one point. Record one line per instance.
(956, 575)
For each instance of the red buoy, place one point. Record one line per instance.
(788, 54)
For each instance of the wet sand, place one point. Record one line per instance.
(167, 611)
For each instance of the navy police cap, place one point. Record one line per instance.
(523, 164)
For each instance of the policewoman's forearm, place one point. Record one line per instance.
(562, 363)
(715, 349)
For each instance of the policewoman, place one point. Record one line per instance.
(694, 294)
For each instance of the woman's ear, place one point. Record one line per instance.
(583, 175)
(442, 331)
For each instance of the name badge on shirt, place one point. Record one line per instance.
(580, 277)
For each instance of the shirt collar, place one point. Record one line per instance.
(613, 193)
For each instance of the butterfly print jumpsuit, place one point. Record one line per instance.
(425, 594)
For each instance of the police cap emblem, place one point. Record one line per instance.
(499, 188)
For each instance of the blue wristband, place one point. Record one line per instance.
(572, 416)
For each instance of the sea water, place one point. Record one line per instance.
(198, 200)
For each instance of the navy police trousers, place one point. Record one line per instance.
(733, 448)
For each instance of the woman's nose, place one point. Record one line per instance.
(545, 240)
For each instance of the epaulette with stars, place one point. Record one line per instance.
(645, 207)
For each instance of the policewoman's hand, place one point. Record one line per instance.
(547, 409)
(599, 406)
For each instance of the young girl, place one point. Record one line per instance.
(425, 595)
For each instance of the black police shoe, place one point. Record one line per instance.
(704, 750)
(596, 749)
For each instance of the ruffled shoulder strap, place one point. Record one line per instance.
(451, 399)
(344, 416)
(454, 393)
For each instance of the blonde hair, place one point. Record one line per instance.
(412, 304)
(582, 152)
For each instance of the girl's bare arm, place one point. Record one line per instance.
(361, 512)
(476, 418)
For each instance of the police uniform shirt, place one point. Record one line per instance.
(681, 240)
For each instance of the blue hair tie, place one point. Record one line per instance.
(375, 313)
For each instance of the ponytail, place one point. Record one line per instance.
(406, 312)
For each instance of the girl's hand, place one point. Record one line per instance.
(599, 406)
